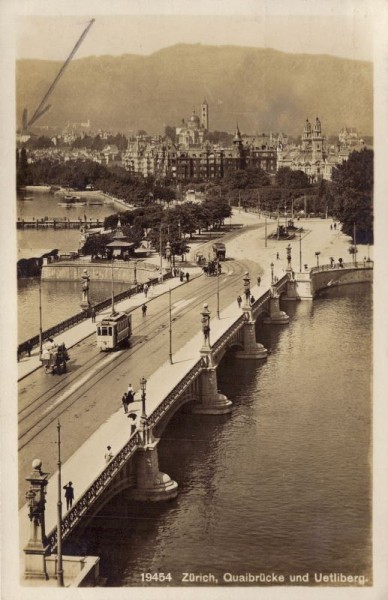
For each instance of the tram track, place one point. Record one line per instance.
(52, 403)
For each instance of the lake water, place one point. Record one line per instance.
(281, 485)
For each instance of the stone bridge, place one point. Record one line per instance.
(135, 467)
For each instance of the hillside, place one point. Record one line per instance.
(262, 89)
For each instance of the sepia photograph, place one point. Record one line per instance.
(196, 342)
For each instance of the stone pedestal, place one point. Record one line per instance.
(152, 484)
(35, 560)
(212, 401)
(276, 316)
(251, 348)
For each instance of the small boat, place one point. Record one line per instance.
(70, 200)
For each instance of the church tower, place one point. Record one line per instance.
(306, 137)
(317, 141)
(205, 115)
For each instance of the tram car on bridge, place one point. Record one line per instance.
(114, 331)
(219, 251)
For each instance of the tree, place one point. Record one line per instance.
(352, 187)
(95, 245)
(286, 177)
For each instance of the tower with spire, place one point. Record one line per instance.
(205, 115)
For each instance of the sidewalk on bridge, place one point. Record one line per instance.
(87, 463)
(74, 335)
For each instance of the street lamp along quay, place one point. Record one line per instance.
(272, 266)
(143, 421)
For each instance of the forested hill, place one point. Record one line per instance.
(262, 89)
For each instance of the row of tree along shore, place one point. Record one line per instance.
(348, 197)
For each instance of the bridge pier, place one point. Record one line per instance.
(251, 348)
(276, 316)
(151, 484)
(212, 402)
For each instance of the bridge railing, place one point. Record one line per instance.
(94, 491)
(82, 316)
(360, 264)
(178, 390)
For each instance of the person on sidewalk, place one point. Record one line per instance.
(277, 255)
(69, 494)
(187, 277)
(130, 394)
(239, 301)
(93, 314)
(252, 301)
(145, 290)
(124, 400)
(258, 281)
(181, 275)
(133, 417)
(144, 310)
(108, 454)
(151, 291)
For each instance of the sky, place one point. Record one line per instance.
(51, 37)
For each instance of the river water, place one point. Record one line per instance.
(60, 299)
(281, 485)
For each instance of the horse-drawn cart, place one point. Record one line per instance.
(54, 359)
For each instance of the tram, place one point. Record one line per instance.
(114, 331)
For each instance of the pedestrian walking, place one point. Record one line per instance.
(187, 278)
(93, 314)
(145, 289)
(331, 227)
(144, 310)
(108, 454)
(130, 394)
(335, 225)
(239, 301)
(69, 494)
(258, 280)
(277, 256)
(151, 291)
(181, 275)
(133, 417)
(252, 300)
(29, 347)
(125, 402)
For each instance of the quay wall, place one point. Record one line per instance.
(122, 273)
(325, 278)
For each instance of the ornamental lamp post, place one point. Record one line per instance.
(168, 253)
(143, 420)
(272, 266)
(218, 288)
(205, 321)
(288, 251)
(247, 288)
(135, 273)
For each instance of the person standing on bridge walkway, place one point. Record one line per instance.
(144, 310)
(145, 290)
(258, 281)
(239, 301)
(108, 454)
(69, 494)
(93, 314)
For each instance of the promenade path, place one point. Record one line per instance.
(88, 461)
